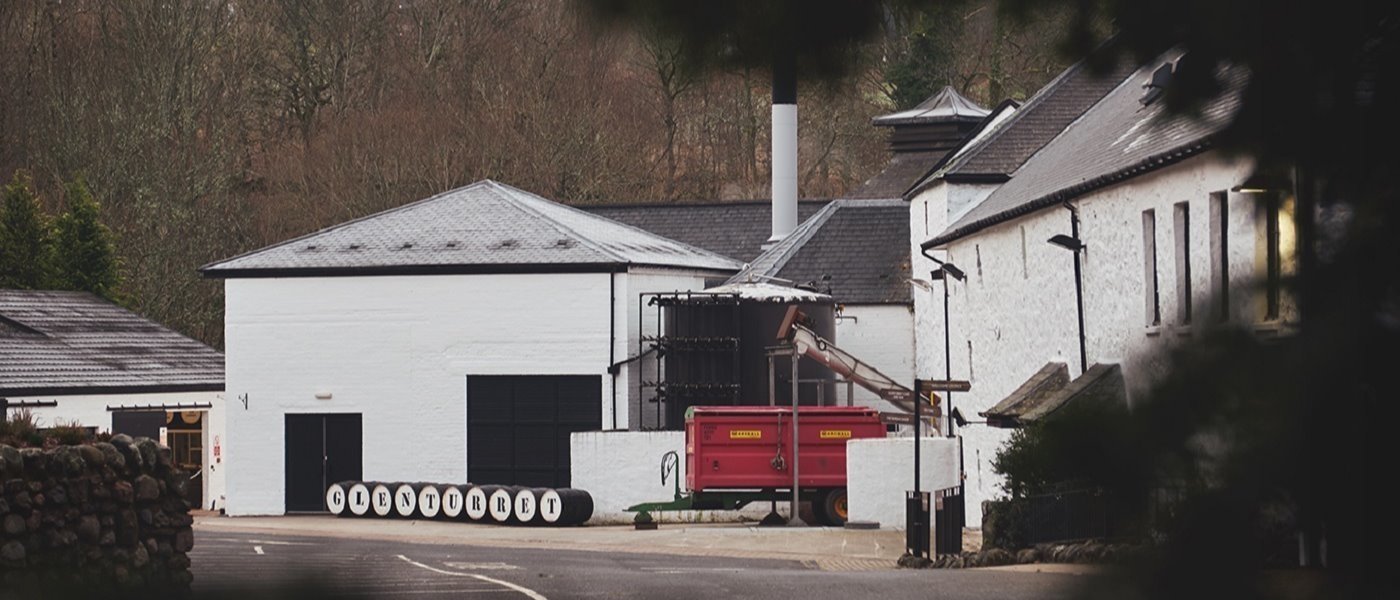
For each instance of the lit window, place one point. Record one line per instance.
(1276, 251)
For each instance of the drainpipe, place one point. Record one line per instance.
(1078, 285)
(612, 341)
(947, 342)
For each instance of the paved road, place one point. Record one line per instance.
(240, 565)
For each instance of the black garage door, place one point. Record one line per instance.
(518, 426)
(321, 449)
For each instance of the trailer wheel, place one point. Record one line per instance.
(832, 508)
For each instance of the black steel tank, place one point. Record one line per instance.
(716, 347)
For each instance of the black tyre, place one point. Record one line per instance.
(832, 507)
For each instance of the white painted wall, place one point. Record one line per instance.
(1014, 314)
(880, 471)
(398, 350)
(883, 336)
(91, 411)
(623, 468)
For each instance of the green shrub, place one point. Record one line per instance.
(21, 429)
(68, 433)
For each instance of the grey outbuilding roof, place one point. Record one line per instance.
(856, 248)
(1118, 138)
(66, 343)
(485, 227)
(737, 230)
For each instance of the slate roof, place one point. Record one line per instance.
(946, 105)
(1033, 393)
(64, 343)
(861, 244)
(737, 230)
(1050, 390)
(485, 227)
(1035, 123)
(903, 171)
(1118, 138)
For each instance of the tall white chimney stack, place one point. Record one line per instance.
(784, 155)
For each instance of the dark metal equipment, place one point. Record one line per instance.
(916, 523)
(949, 520)
(713, 349)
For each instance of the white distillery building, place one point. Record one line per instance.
(71, 358)
(460, 337)
(1174, 235)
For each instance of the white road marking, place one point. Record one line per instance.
(529, 593)
(257, 550)
(399, 592)
(482, 566)
(263, 542)
(691, 569)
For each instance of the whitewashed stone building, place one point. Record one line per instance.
(462, 336)
(71, 358)
(1174, 235)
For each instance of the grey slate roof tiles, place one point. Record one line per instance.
(55, 343)
(861, 244)
(1039, 120)
(903, 171)
(737, 230)
(1116, 139)
(483, 225)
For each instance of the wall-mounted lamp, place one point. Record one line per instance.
(1070, 243)
(948, 270)
(1263, 182)
(323, 395)
(962, 421)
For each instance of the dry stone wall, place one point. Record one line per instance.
(94, 515)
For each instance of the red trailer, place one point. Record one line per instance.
(736, 455)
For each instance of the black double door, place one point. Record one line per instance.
(321, 449)
(518, 426)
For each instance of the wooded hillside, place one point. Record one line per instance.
(211, 127)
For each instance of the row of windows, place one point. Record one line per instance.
(1272, 220)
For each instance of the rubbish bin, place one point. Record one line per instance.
(916, 523)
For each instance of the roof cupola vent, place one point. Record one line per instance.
(1157, 86)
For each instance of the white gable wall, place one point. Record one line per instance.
(881, 335)
(1013, 315)
(398, 349)
(630, 305)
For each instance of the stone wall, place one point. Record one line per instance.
(93, 515)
